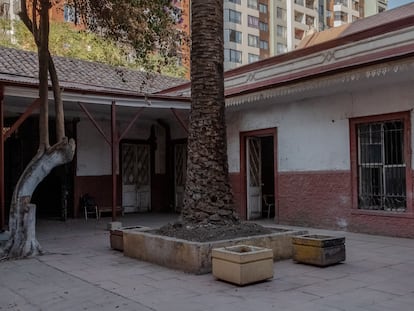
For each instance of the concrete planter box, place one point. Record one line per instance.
(195, 257)
(242, 264)
(318, 250)
(116, 236)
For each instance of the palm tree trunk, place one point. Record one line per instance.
(208, 197)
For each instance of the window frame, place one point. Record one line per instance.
(253, 4)
(256, 39)
(236, 21)
(250, 55)
(264, 27)
(251, 18)
(281, 31)
(69, 14)
(281, 13)
(353, 124)
(278, 46)
(263, 8)
(264, 45)
(238, 34)
(235, 52)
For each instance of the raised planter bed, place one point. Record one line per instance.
(116, 236)
(195, 257)
(242, 264)
(318, 250)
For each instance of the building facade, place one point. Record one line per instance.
(327, 130)
(246, 32)
(339, 12)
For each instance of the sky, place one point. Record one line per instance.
(394, 3)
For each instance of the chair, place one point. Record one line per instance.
(269, 203)
(89, 206)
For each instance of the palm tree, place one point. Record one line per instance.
(208, 197)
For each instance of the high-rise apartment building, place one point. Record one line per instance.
(340, 12)
(246, 32)
(9, 9)
(302, 17)
(373, 7)
(256, 29)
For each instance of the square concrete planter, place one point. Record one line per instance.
(318, 250)
(116, 236)
(242, 264)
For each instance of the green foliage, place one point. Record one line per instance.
(67, 41)
(5, 28)
(148, 26)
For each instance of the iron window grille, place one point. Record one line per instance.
(381, 166)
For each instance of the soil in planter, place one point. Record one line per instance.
(212, 232)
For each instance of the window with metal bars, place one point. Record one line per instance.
(381, 166)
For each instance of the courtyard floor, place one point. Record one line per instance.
(80, 272)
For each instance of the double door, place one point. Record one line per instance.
(136, 177)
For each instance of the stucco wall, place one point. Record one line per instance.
(94, 153)
(313, 134)
(314, 185)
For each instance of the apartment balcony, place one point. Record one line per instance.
(340, 8)
(310, 4)
(299, 17)
(339, 23)
(299, 33)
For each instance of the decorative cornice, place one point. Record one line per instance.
(323, 83)
(352, 54)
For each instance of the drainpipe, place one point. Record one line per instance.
(114, 147)
(2, 207)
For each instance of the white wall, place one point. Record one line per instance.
(313, 134)
(94, 153)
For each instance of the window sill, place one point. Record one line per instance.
(408, 214)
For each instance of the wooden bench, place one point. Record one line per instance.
(108, 209)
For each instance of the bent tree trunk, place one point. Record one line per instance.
(23, 242)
